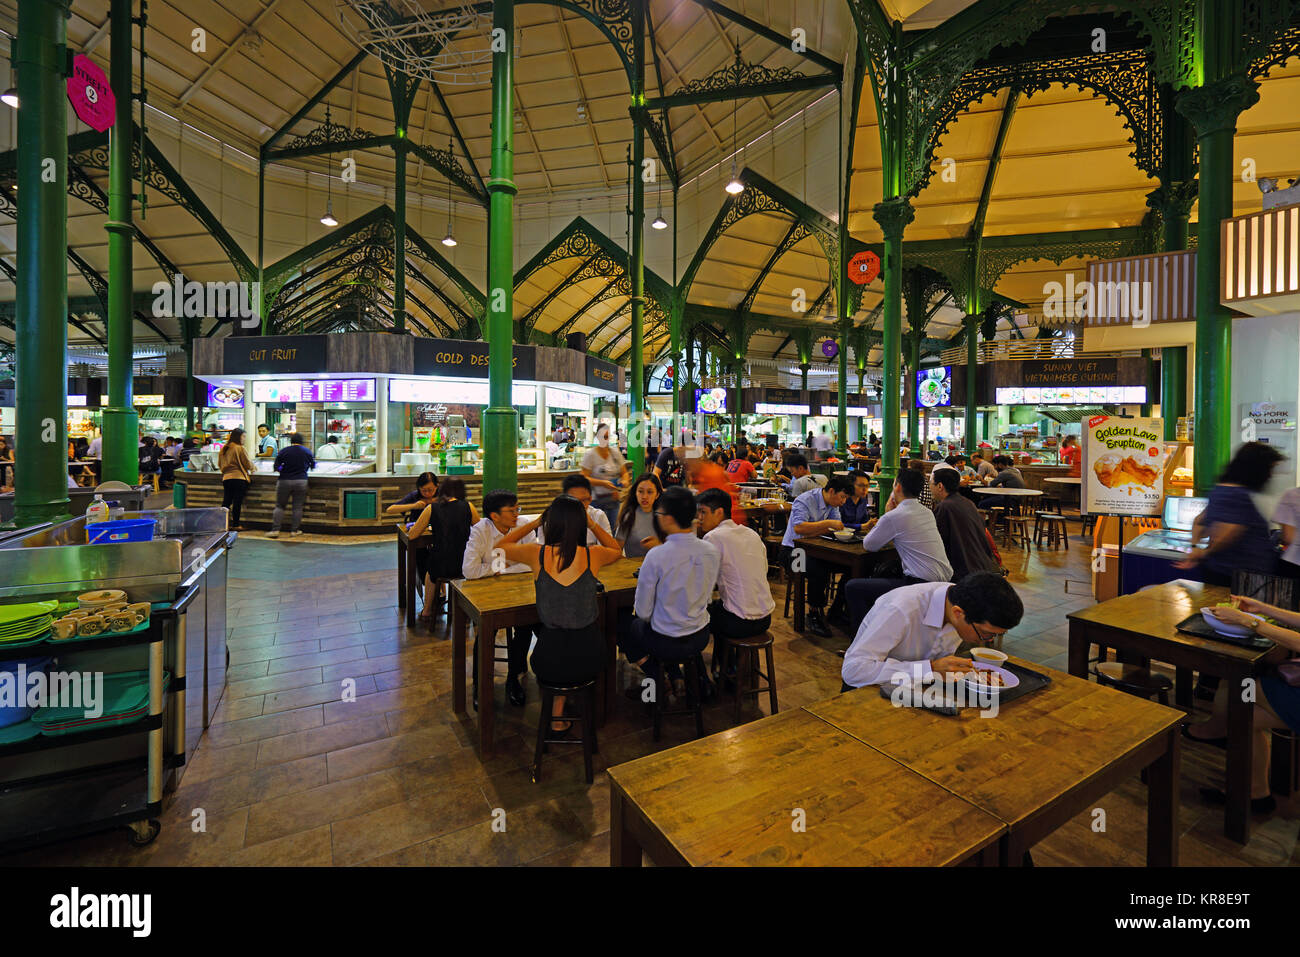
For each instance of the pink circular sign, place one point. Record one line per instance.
(91, 97)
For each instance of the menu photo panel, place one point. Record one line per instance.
(1123, 466)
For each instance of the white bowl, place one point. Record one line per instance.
(988, 656)
(844, 535)
(1224, 628)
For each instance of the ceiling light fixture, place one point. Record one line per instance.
(449, 240)
(659, 221)
(10, 96)
(734, 186)
(328, 219)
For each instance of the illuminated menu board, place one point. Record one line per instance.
(1072, 395)
(315, 390)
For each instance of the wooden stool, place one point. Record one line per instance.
(1049, 503)
(1089, 522)
(154, 476)
(997, 516)
(1134, 680)
(585, 694)
(1018, 531)
(1284, 770)
(442, 587)
(1051, 525)
(748, 671)
(694, 671)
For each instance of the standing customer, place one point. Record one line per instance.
(570, 644)
(604, 466)
(1237, 536)
(293, 462)
(636, 519)
(236, 475)
(673, 590)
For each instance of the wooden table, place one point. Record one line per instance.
(406, 569)
(510, 601)
(1141, 626)
(1076, 484)
(1040, 761)
(761, 517)
(735, 798)
(849, 555)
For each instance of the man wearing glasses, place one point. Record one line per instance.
(917, 629)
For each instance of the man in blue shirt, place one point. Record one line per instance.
(293, 462)
(673, 589)
(815, 512)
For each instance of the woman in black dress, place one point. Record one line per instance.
(447, 519)
(570, 646)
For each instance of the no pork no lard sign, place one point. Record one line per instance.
(91, 97)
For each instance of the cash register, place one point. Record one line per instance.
(1149, 558)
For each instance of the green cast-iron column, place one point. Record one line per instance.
(972, 371)
(636, 414)
(499, 439)
(1213, 110)
(893, 215)
(41, 293)
(399, 230)
(913, 343)
(803, 384)
(121, 423)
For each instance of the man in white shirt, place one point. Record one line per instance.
(910, 527)
(822, 444)
(94, 449)
(500, 515)
(916, 630)
(673, 589)
(579, 487)
(330, 451)
(746, 606)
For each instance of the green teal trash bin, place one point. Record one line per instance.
(178, 494)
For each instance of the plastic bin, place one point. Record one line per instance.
(13, 714)
(124, 530)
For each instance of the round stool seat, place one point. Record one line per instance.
(564, 689)
(1140, 680)
(761, 640)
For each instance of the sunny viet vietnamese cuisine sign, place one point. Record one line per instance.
(1123, 466)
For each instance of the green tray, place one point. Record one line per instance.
(22, 731)
(10, 614)
(124, 692)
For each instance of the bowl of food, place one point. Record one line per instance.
(843, 535)
(988, 656)
(1231, 629)
(989, 679)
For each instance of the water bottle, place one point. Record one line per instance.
(97, 511)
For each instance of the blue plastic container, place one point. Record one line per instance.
(123, 530)
(13, 714)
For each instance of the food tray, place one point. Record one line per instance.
(1030, 681)
(1198, 626)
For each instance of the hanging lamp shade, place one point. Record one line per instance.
(734, 186)
(328, 219)
(659, 222)
(449, 239)
(10, 96)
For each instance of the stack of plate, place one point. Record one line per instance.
(23, 623)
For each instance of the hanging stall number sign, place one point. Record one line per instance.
(864, 267)
(90, 94)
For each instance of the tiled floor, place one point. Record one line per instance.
(290, 773)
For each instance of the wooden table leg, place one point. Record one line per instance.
(411, 574)
(401, 575)
(1183, 688)
(800, 588)
(1162, 805)
(1078, 653)
(1236, 816)
(487, 637)
(457, 653)
(624, 851)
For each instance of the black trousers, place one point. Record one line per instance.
(232, 497)
(517, 643)
(861, 594)
(816, 574)
(640, 640)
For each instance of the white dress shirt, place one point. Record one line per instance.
(483, 537)
(93, 450)
(903, 633)
(601, 519)
(675, 584)
(910, 526)
(742, 573)
(822, 442)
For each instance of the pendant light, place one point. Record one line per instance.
(328, 219)
(449, 240)
(659, 221)
(734, 186)
(10, 96)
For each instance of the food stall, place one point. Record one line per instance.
(399, 406)
(63, 778)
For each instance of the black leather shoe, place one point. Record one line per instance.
(1216, 798)
(817, 625)
(515, 691)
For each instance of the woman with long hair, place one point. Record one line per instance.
(636, 519)
(570, 645)
(1237, 535)
(236, 474)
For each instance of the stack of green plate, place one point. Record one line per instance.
(21, 623)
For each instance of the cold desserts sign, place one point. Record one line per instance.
(1123, 466)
